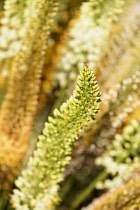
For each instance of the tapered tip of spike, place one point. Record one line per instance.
(85, 64)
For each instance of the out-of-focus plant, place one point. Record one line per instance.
(125, 197)
(38, 184)
(14, 26)
(78, 47)
(20, 105)
(121, 157)
(12, 30)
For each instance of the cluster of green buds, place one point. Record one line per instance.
(39, 183)
(122, 156)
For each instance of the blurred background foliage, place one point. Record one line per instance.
(107, 35)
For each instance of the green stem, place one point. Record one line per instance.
(4, 197)
(88, 190)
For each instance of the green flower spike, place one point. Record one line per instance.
(38, 184)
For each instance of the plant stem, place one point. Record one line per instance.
(88, 190)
